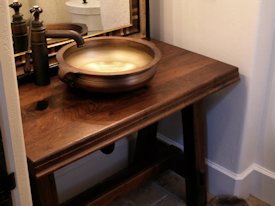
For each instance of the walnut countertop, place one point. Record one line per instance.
(77, 123)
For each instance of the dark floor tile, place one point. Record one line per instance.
(147, 195)
(167, 190)
(123, 202)
(173, 182)
(170, 201)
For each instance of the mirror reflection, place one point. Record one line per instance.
(97, 15)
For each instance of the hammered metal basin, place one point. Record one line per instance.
(108, 64)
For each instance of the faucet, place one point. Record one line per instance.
(66, 34)
(38, 45)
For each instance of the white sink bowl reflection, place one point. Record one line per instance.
(88, 13)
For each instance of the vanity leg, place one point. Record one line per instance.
(44, 191)
(146, 141)
(193, 123)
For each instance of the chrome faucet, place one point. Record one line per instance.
(38, 44)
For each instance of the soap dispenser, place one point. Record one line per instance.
(19, 29)
(39, 48)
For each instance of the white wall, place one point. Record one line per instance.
(267, 141)
(10, 116)
(265, 186)
(238, 32)
(53, 11)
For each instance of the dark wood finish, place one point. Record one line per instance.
(146, 145)
(44, 190)
(78, 123)
(194, 140)
(148, 33)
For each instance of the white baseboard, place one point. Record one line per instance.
(245, 173)
(255, 180)
(169, 141)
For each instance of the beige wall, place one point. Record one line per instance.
(224, 30)
(10, 115)
(238, 32)
(53, 10)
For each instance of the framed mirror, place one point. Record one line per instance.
(134, 25)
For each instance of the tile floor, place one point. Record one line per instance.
(166, 190)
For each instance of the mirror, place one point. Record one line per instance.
(136, 28)
(97, 15)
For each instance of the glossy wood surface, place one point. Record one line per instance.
(77, 123)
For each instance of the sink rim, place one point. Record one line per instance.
(109, 82)
(73, 48)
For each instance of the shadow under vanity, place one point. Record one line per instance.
(62, 124)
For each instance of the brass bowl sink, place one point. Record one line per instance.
(108, 64)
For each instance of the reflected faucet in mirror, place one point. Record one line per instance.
(57, 16)
(38, 45)
(19, 29)
(107, 15)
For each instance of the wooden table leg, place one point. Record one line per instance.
(146, 141)
(193, 122)
(44, 191)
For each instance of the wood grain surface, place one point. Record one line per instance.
(77, 123)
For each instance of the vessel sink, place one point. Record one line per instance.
(108, 64)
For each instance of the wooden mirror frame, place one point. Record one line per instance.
(139, 28)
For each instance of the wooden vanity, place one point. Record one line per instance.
(76, 124)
